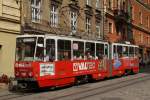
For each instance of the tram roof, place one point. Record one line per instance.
(122, 44)
(62, 38)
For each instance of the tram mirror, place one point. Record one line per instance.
(40, 45)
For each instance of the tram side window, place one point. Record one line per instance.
(106, 50)
(125, 51)
(99, 50)
(136, 52)
(78, 50)
(40, 49)
(119, 51)
(90, 50)
(131, 51)
(64, 50)
(50, 50)
(115, 54)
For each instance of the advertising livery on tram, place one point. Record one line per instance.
(53, 61)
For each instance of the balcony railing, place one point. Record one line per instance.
(121, 15)
(88, 10)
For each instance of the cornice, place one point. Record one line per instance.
(141, 28)
(143, 4)
(9, 31)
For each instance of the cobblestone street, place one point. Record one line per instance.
(133, 87)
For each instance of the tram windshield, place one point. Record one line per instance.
(29, 49)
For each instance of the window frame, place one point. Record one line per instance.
(36, 17)
(73, 20)
(54, 16)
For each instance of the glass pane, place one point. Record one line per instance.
(99, 50)
(64, 50)
(106, 50)
(131, 51)
(50, 50)
(25, 48)
(90, 50)
(125, 51)
(40, 49)
(115, 54)
(78, 50)
(119, 51)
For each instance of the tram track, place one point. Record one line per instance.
(14, 95)
(101, 90)
(83, 94)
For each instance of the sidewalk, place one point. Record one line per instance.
(3, 86)
(145, 69)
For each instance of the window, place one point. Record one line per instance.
(73, 19)
(114, 52)
(106, 50)
(136, 51)
(124, 6)
(64, 50)
(78, 50)
(98, 28)
(40, 49)
(147, 21)
(54, 16)
(50, 50)
(110, 28)
(119, 51)
(147, 40)
(99, 50)
(141, 38)
(25, 48)
(36, 7)
(90, 50)
(97, 4)
(88, 24)
(131, 52)
(88, 2)
(125, 51)
(133, 13)
(110, 4)
(117, 4)
(140, 17)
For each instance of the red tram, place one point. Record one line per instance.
(53, 61)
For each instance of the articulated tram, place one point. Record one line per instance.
(55, 61)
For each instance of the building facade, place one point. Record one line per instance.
(9, 29)
(141, 27)
(117, 21)
(78, 18)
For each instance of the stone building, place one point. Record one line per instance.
(141, 26)
(78, 18)
(117, 20)
(9, 29)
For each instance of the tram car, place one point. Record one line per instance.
(54, 61)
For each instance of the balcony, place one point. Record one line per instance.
(121, 15)
(56, 2)
(98, 14)
(88, 10)
(74, 4)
